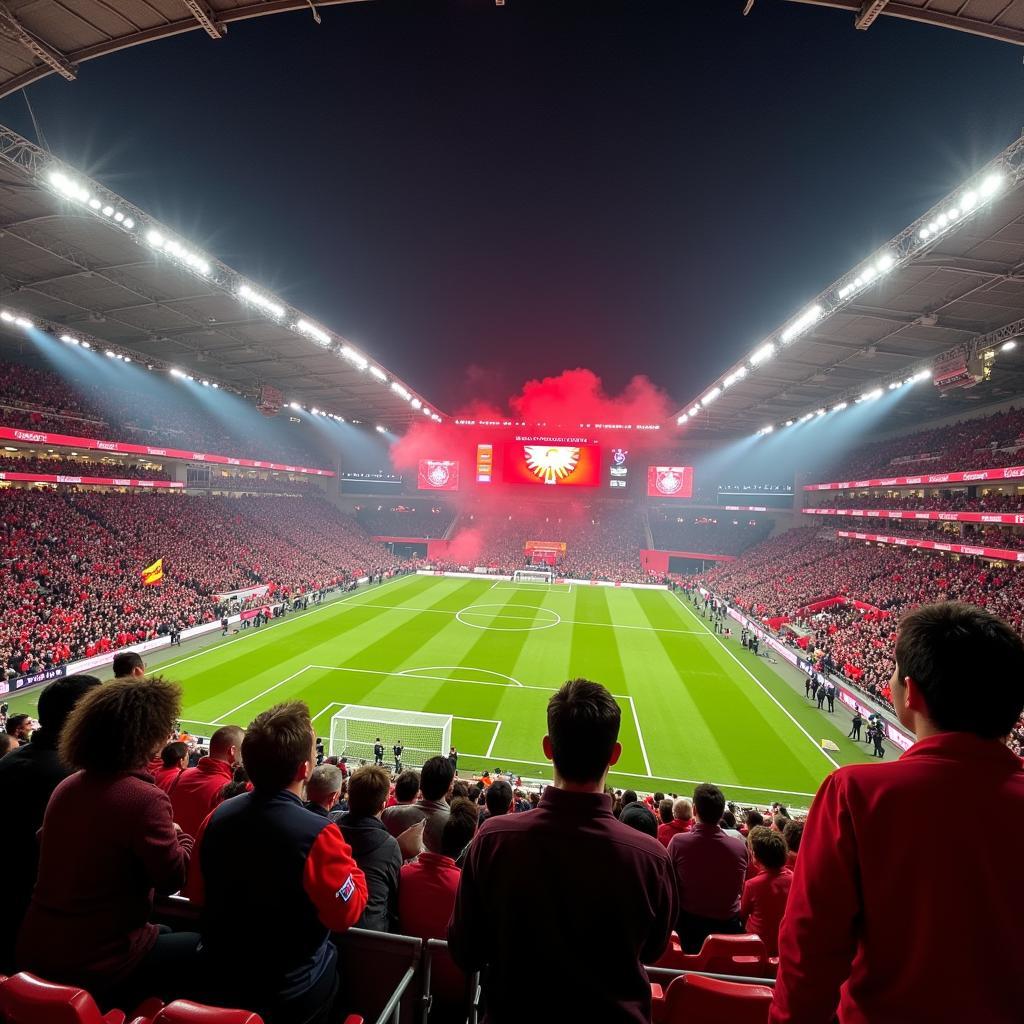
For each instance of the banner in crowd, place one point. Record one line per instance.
(20, 682)
(1006, 518)
(70, 441)
(153, 574)
(91, 481)
(1005, 554)
(974, 476)
(240, 595)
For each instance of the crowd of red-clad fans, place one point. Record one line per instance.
(280, 850)
(602, 539)
(777, 581)
(985, 443)
(59, 466)
(70, 564)
(407, 518)
(719, 533)
(35, 398)
(990, 501)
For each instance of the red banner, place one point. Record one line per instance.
(92, 481)
(1005, 554)
(70, 441)
(670, 481)
(438, 475)
(1006, 518)
(973, 476)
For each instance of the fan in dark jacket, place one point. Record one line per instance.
(28, 775)
(376, 851)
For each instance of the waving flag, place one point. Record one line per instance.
(153, 574)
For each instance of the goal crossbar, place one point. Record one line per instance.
(532, 576)
(356, 729)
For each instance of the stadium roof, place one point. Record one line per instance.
(995, 19)
(77, 258)
(948, 284)
(46, 37)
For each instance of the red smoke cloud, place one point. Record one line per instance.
(573, 397)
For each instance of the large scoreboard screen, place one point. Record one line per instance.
(540, 461)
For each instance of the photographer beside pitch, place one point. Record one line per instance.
(890, 922)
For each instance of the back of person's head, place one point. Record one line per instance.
(16, 722)
(226, 737)
(708, 803)
(324, 782)
(637, 816)
(793, 833)
(665, 811)
(753, 819)
(120, 726)
(368, 790)
(459, 828)
(682, 809)
(583, 729)
(458, 789)
(7, 743)
(768, 847)
(58, 700)
(657, 798)
(173, 754)
(276, 744)
(126, 662)
(436, 778)
(728, 820)
(779, 822)
(943, 647)
(407, 785)
(629, 797)
(499, 798)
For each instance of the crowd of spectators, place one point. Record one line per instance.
(70, 564)
(412, 518)
(36, 398)
(779, 579)
(984, 443)
(721, 533)
(939, 501)
(943, 532)
(68, 466)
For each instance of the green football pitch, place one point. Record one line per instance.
(695, 707)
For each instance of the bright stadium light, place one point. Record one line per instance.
(175, 372)
(379, 429)
(86, 344)
(399, 390)
(695, 408)
(680, 420)
(870, 396)
(840, 407)
(22, 321)
(819, 412)
(294, 405)
(315, 411)
(765, 430)
(268, 305)
(8, 318)
(802, 323)
(991, 185)
(69, 339)
(312, 331)
(378, 373)
(425, 411)
(766, 351)
(738, 374)
(893, 385)
(354, 357)
(110, 354)
(1008, 346)
(415, 403)
(711, 396)
(789, 423)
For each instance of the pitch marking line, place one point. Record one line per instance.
(262, 693)
(478, 609)
(640, 736)
(824, 753)
(565, 622)
(494, 738)
(414, 672)
(298, 616)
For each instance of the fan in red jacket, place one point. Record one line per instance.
(682, 820)
(197, 791)
(173, 761)
(890, 920)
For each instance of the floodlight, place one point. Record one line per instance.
(108, 211)
(129, 223)
(294, 405)
(711, 396)
(86, 344)
(801, 323)
(268, 305)
(969, 199)
(1008, 346)
(840, 407)
(415, 403)
(992, 184)
(766, 351)
(789, 423)
(923, 234)
(23, 322)
(110, 354)
(312, 331)
(94, 204)
(378, 373)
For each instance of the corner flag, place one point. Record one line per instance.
(153, 574)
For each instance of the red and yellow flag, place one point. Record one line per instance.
(153, 574)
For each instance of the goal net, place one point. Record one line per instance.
(532, 576)
(356, 728)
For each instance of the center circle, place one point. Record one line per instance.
(507, 612)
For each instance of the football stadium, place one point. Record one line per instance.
(429, 535)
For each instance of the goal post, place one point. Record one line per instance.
(532, 576)
(356, 727)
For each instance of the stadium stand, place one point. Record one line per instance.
(987, 501)
(35, 398)
(70, 564)
(406, 519)
(79, 467)
(721, 533)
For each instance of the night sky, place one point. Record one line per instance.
(478, 195)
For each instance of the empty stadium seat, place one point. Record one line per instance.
(722, 954)
(692, 999)
(26, 999)
(183, 1011)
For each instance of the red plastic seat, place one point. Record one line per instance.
(729, 954)
(692, 999)
(26, 999)
(183, 1011)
